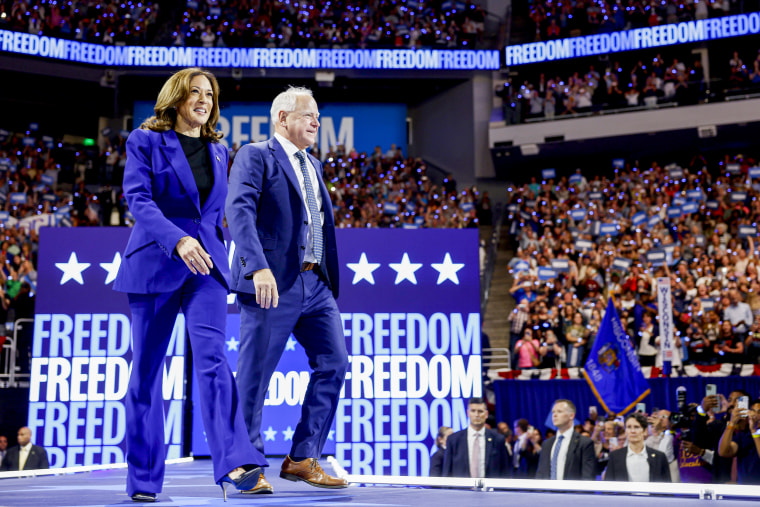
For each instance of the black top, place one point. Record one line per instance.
(196, 151)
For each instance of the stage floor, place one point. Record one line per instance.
(190, 484)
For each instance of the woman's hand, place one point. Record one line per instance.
(195, 257)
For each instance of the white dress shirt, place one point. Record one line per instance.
(562, 457)
(482, 441)
(637, 465)
(291, 150)
(23, 455)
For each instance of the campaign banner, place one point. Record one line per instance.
(639, 218)
(754, 172)
(359, 126)
(618, 163)
(733, 168)
(694, 195)
(561, 265)
(410, 311)
(738, 196)
(656, 257)
(678, 200)
(712, 204)
(583, 245)
(577, 214)
(595, 196)
(674, 212)
(545, 274)
(746, 231)
(575, 178)
(665, 311)
(689, 208)
(548, 174)
(608, 229)
(621, 264)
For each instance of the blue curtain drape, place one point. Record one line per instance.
(533, 399)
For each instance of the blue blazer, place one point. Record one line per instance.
(456, 459)
(267, 218)
(162, 196)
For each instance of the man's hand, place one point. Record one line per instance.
(195, 257)
(709, 402)
(266, 289)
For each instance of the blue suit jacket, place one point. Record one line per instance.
(456, 459)
(267, 218)
(162, 196)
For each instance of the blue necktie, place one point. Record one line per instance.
(555, 456)
(311, 201)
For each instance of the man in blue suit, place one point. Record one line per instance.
(476, 451)
(285, 274)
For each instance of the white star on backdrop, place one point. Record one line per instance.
(331, 435)
(232, 343)
(269, 434)
(363, 270)
(447, 270)
(112, 268)
(291, 344)
(405, 270)
(287, 434)
(72, 270)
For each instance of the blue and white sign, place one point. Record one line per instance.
(410, 312)
(247, 58)
(754, 172)
(621, 264)
(575, 178)
(583, 245)
(360, 126)
(689, 208)
(577, 214)
(712, 204)
(674, 212)
(546, 274)
(733, 168)
(737, 196)
(639, 218)
(656, 257)
(608, 229)
(746, 231)
(595, 196)
(694, 195)
(618, 163)
(561, 265)
(665, 312)
(635, 39)
(548, 174)
(18, 197)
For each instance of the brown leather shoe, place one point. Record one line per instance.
(310, 472)
(262, 486)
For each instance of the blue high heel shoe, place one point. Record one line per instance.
(244, 482)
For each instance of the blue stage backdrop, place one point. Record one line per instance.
(410, 309)
(360, 126)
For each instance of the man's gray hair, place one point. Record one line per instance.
(286, 101)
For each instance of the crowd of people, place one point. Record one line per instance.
(636, 82)
(553, 19)
(599, 239)
(241, 23)
(134, 22)
(712, 442)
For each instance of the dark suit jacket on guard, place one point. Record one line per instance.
(37, 459)
(580, 463)
(659, 471)
(456, 460)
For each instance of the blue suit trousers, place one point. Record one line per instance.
(308, 311)
(202, 299)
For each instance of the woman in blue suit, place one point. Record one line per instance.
(175, 182)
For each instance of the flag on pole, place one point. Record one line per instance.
(612, 370)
